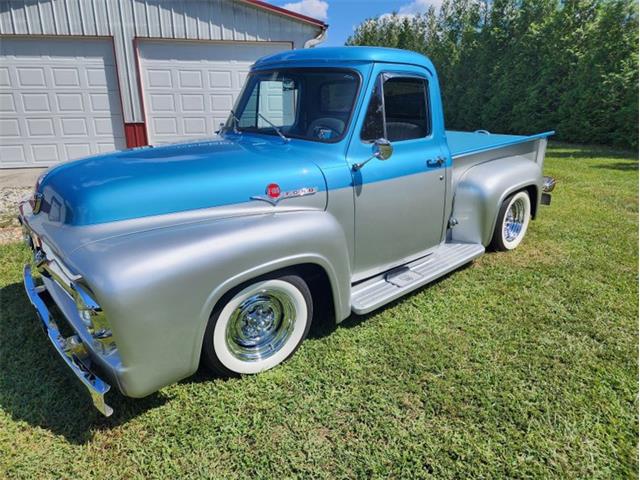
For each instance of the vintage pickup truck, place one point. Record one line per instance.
(332, 183)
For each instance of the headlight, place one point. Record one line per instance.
(94, 319)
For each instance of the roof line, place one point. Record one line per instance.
(287, 13)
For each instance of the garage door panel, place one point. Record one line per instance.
(7, 103)
(65, 77)
(40, 127)
(69, 102)
(35, 102)
(4, 77)
(74, 127)
(189, 87)
(62, 97)
(78, 150)
(9, 127)
(45, 153)
(14, 152)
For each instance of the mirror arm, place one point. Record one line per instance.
(357, 166)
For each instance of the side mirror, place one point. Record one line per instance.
(381, 149)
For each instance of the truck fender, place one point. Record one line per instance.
(480, 191)
(160, 286)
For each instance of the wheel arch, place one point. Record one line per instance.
(316, 271)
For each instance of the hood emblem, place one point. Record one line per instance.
(274, 195)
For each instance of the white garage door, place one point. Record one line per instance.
(189, 87)
(59, 100)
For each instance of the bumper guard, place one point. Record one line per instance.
(71, 349)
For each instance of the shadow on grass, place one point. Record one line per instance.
(36, 386)
(620, 166)
(567, 150)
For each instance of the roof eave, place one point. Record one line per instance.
(287, 13)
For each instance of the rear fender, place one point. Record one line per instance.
(482, 189)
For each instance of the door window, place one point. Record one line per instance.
(398, 110)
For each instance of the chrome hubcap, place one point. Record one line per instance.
(260, 325)
(514, 220)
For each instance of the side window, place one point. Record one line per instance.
(400, 113)
(373, 127)
(405, 108)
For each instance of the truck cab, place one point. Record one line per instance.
(333, 181)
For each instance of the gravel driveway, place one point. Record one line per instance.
(9, 226)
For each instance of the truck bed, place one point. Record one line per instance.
(465, 143)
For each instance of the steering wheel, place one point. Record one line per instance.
(325, 132)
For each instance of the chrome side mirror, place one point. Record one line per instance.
(381, 149)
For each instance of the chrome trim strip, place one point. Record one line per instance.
(72, 350)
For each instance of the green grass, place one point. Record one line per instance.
(522, 365)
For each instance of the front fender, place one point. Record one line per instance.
(158, 287)
(482, 189)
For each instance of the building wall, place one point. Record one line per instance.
(127, 20)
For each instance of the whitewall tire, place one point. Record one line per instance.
(258, 326)
(512, 222)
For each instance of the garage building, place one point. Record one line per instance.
(79, 77)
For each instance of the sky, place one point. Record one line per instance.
(344, 15)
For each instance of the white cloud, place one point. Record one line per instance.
(414, 8)
(418, 6)
(312, 8)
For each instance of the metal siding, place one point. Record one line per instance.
(127, 19)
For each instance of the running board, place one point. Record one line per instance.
(384, 288)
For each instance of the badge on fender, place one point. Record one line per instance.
(274, 195)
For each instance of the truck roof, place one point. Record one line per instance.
(337, 55)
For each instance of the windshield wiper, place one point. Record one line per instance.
(236, 122)
(280, 134)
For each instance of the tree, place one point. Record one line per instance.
(522, 66)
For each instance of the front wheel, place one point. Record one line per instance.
(258, 327)
(512, 222)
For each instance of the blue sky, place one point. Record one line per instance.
(343, 15)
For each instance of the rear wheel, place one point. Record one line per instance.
(512, 222)
(259, 326)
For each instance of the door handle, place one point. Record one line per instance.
(438, 162)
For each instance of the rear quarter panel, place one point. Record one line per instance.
(482, 181)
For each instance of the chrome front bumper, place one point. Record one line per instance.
(71, 349)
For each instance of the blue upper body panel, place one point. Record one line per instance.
(340, 56)
(231, 169)
(464, 143)
(154, 181)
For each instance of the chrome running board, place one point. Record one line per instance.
(388, 286)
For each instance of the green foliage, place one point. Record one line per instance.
(523, 66)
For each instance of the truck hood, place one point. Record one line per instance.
(174, 178)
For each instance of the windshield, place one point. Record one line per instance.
(312, 104)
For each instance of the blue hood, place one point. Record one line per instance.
(154, 181)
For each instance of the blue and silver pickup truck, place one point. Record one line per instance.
(333, 183)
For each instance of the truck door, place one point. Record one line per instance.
(399, 202)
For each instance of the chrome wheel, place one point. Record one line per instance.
(514, 220)
(260, 325)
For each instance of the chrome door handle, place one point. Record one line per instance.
(438, 162)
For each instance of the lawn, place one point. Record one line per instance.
(524, 364)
